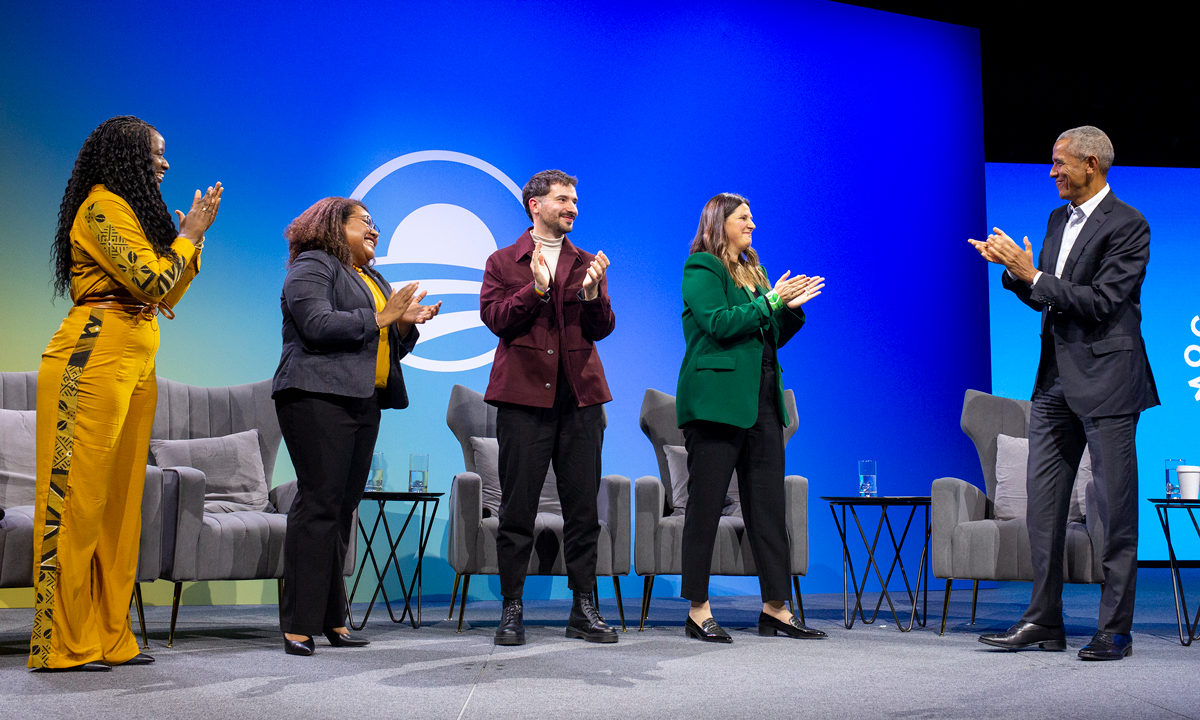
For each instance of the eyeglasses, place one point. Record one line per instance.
(366, 219)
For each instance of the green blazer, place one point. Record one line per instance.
(724, 327)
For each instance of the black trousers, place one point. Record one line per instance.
(330, 439)
(1057, 437)
(714, 451)
(530, 439)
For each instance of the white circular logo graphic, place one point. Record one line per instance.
(445, 234)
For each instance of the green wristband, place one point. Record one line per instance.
(774, 300)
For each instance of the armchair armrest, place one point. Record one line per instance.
(953, 502)
(795, 493)
(613, 504)
(282, 497)
(649, 496)
(150, 544)
(187, 485)
(466, 512)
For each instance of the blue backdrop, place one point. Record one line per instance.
(856, 134)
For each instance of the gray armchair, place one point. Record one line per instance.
(472, 538)
(969, 543)
(659, 533)
(198, 545)
(18, 391)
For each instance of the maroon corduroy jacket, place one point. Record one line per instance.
(535, 332)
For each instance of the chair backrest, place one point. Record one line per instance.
(469, 416)
(18, 390)
(984, 417)
(185, 412)
(658, 422)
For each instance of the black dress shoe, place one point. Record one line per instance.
(770, 627)
(585, 622)
(512, 628)
(710, 631)
(139, 659)
(86, 667)
(338, 639)
(1107, 646)
(1024, 634)
(299, 647)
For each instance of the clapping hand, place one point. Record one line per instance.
(204, 211)
(595, 273)
(418, 314)
(795, 291)
(541, 271)
(397, 305)
(999, 248)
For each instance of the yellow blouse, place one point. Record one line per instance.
(110, 254)
(383, 363)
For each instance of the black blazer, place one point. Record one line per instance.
(1094, 311)
(329, 336)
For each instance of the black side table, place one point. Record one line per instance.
(1187, 624)
(883, 503)
(382, 499)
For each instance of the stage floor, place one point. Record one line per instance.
(228, 663)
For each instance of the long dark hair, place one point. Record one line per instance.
(321, 227)
(117, 156)
(710, 238)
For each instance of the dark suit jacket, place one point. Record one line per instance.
(536, 332)
(330, 341)
(1093, 312)
(724, 328)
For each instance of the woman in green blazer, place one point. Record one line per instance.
(729, 404)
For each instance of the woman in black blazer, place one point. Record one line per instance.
(344, 333)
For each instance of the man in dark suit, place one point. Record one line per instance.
(1093, 381)
(547, 302)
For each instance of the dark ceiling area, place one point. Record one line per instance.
(1053, 66)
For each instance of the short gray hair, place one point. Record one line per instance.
(1087, 141)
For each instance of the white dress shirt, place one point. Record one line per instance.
(1075, 222)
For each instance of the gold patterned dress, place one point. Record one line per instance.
(95, 408)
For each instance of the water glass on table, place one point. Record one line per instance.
(1173, 478)
(866, 478)
(418, 473)
(375, 475)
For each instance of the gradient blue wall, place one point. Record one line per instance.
(1019, 201)
(856, 134)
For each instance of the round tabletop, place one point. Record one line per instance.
(386, 496)
(878, 500)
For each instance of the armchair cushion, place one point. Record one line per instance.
(232, 466)
(18, 457)
(677, 463)
(487, 466)
(1012, 458)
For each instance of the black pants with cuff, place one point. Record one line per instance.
(330, 439)
(530, 438)
(715, 450)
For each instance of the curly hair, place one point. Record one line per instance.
(710, 238)
(117, 156)
(321, 228)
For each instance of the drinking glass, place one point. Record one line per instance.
(418, 473)
(866, 478)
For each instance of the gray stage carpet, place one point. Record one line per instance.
(228, 663)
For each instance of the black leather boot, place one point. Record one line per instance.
(585, 622)
(512, 626)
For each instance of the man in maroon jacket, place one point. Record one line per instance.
(547, 302)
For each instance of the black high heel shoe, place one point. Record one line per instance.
(770, 627)
(337, 639)
(710, 631)
(299, 647)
